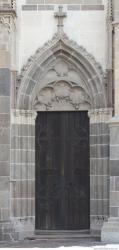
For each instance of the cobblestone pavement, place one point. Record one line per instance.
(77, 245)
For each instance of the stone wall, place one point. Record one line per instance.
(99, 168)
(23, 173)
(6, 21)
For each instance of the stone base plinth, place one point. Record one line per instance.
(110, 231)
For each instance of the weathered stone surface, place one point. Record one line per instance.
(99, 207)
(22, 156)
(5, 215)
(99, 151)
(64, 1)
(99, 166)
(116, 183)
(114, 198)
(4, 135)
(114, 136)
(23, 207)
(114, 211)
(23, 130)
(4, 152)
(24, 189)
(114, 152)
(4, 104)
(4, 82)
(114, 167)
(100, 139)
(99, 187)
(112, 183)
(4, 169)
(4, 57)
(4, 120)
(4, 199)
(99, 129)
(23, 142)
(4, 183)
(21, 171)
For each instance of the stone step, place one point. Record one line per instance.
(64, 236)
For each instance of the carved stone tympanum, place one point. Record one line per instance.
(61, 93)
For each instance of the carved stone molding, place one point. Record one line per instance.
(100, 115)
(61, 95)
(62, 38)
(115, 24)
(5, 21)
(96, 112)
(23, 116)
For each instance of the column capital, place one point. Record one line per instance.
(23, 116)
(115, 24)
(98, 115)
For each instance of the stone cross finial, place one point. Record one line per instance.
(60, 15)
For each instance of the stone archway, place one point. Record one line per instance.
(61, 76)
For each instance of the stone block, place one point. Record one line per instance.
(23, 171)
(4, 199)
(5, 82)
(99, 207)
(24, 189)
(4, 183)
(23, 130)
(4, 135)
(99, 187)
(4, 104)
(100, 139)
(74, 7)
(114, 211)
(45, 7)
(4, 169)
(22, 156)
(116, 183)
(99, 129)
(99, 151)
(34, 1)
(114, 199)
(4, 120)
(114, 152)
(5, 215)
(99, 166)
(4, 59)
(63, 1)
(29, 7)
(4, 152)
(23, 142)
(114, 167)
(112, 183)
(114, 135)
(23, 207)
(92, 7)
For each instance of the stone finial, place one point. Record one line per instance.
(60, 15)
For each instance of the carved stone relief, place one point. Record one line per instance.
(61, 95)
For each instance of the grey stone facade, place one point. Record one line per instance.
(60, 76)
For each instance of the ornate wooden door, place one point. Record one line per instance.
(62, 171)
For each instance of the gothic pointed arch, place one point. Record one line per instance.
(61, 72)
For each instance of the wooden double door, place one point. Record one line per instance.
(62, 171)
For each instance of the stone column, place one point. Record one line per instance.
(110, 230)
(23, 173)
(7, 22)
(116, 67)
(99, 167)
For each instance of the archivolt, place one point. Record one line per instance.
(60, 48)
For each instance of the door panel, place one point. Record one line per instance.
(62, 171)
